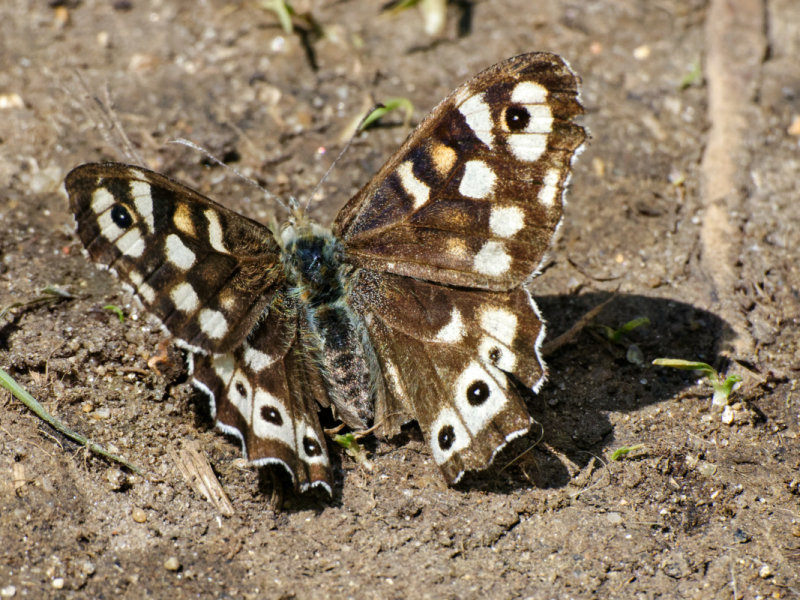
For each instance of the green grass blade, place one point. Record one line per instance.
(116, 310)
(388, 106)
(686, 365)
(623, 451)
(33, 404)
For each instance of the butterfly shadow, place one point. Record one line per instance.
(592, 377)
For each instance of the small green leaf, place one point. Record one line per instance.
(695, 74)
(623, 451)
(615, 335)
(349, 442)
(396, 6)
(116, 310)
(23, 396)
(283, 10)
(630, 326)
(345, 440)
(686, 365)
(723, 389)
(388, 106)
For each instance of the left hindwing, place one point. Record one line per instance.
(266, 392)
(474, 195)
(204, 271)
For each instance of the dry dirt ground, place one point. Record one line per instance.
(684, 205)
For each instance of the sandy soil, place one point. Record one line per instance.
(684, 206)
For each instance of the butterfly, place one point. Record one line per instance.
(412, 306)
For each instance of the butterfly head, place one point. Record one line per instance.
(312, 258)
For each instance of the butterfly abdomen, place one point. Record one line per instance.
(313, 264)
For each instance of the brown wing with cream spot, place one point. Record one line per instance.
(446, 355)
(474, 195)
(206, 272)
(266, 393)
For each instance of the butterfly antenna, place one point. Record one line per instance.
(101, 112)
(341, 154)
(214, 159)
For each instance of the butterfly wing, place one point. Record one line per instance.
(445, 235)
(215, 281)
(206, 272)
(264, 393)
(474, 195)
(445, 355)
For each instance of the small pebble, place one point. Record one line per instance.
(116, 478)
(727, 415)
(765, 572)
(58, 583)
(101, 413)
(138, 515)
(740, 536)
(8, 592)
(641, 52)
(172, 564)
(707, 469)
(794, 128)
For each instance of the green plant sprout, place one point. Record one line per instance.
(694, 74)
(391, 104)
(723, 386)
(349, 442)
(623, 451)
(283, 10)
(116, 310)
(615, 335)
(434, 12)
(286, 13)
(23, 396)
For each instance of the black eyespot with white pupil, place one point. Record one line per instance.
(494, 354)
(311, 447)
(272, 415)
(477, 392)
(446, 437)
(517, 118)
(241, 390)
(121, 217)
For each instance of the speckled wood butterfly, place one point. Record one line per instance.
(411, 307)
